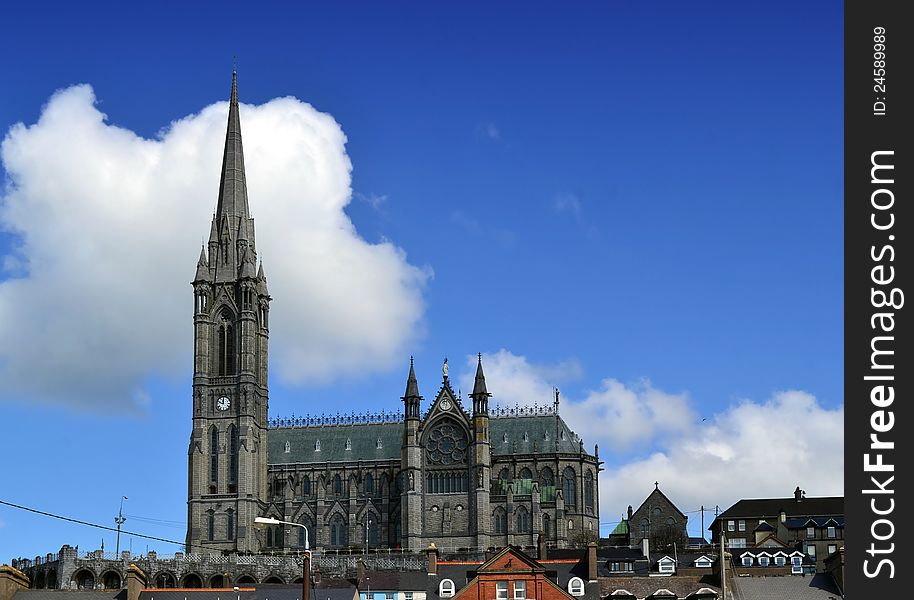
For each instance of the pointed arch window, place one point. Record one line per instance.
(337, 531)
(523, 520)
(304, 536)
(337, 485)
(348, 444)
(546, 525)
(569, 487)
(547, 479)
(210, 526)
(588, 491)
(233, 458)
(525, 473)
(306, 486)
(213, 455)
(369, 485)
(500, 520)
(230, 525)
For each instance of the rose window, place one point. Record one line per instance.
(446, 445)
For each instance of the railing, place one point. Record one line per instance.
(352, 418)
(522, 411)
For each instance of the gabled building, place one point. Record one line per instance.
(815, 525)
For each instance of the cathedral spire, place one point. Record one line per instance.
(412, 385)
(233, 193)
(480, 394)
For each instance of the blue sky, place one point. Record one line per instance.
(638, 202)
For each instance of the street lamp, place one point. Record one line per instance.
(119, 519)
(306, 567)
(367, 528)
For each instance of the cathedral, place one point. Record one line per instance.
(455, 473)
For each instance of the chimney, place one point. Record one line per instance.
(798, 494)
(592, 561)
(629, 516)
(11, 581)
(541, 547)
(432, 553)
(136, 582)
(306, 577)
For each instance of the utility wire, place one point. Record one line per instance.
(97, 526)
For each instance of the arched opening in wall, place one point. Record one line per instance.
(546, 526)
(588, 491)
(246, 580)
(233, 459)
(306, 486)
(213, 456)
(523, 520)
(273, 579)
(84, 579)
(298, 581)
(39, 582)
(500, 520)
(111, 580)
(569, 487)
(191, 580)
(217, 581)
(51, 580)
(337, 532)
(166, 580)
(369, 485)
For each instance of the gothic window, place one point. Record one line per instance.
(526, 437)
(588, 491)
(504, 437)
(213, 454)
(233, 457)
(369, 485)
(523, 520)
(546, 477)
(337, 531)
(645, 528)
(446, 444)
(306, 486)
(317, 445)
(338, 485)
(525, 473)
(288, 447)
(569, 487)
(304, 533)
(348, 444)
(546, 525)
(230, 525)
(211, 526)
(500, 520)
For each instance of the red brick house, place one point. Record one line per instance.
(511, 575)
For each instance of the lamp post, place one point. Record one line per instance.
(119, 519)
(306, 567)
(367, 529)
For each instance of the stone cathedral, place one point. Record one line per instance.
(455, 472)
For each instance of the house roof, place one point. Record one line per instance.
(643, 587)
(819, 587)
(804, 522)
(764, 527)
(771, 507)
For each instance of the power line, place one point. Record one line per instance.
(97, 526)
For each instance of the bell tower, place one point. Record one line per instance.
(227, 456)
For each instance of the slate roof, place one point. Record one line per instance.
(245, 593)
(364, 439)
(394, 581)
(819, 587)
(260, 591)
(764, 527)
(28, 594)
(771, 507)
(642, 587)
(803, 522)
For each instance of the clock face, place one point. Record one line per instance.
(445, 404)
(223, 403)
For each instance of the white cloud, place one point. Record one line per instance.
(751, 449)
(109, 226)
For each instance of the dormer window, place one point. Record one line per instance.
(317, 445)
(526, 437)
(288, 447)
(379, 444)
(446, 588)
(563, 435)
(504, 438)
(780, 561)
(348, 444)
(576, 586)
(763, 561)
(747, 561)
(667, 565)
(546, 436)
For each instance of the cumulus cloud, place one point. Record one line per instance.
(108, 225)
(647, 435)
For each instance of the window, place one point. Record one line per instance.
(288, 447)
(407, 596)
(703, 562)
(523, 520)
(501, 590)
(588, 491)
(576, 586)
(213, 454)
(389, 596)
(796, 565)
(731, 525)
(211, 526)
(832, 533)
(446, 588)
(810, 533)
(811, 550)
(780, 561)
(337, 531)
(317, 445)
(742, 525)
(763, 561)
(230, 526)
(832, 548)
(379, 446)
(306, 486)
(304, 533)
(337, 484)
(369, 485)
(348, 444)
(546, 478)
(737, 543)
(525, 473)
(667, 565)
(546, 525)
(500, 519)
(233, 457)
(569, 487)
(520, 590)
(747, 561)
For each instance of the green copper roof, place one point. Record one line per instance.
(621, 528)
(509, 435)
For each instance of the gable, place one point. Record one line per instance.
(657, 499)
(510, 559)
